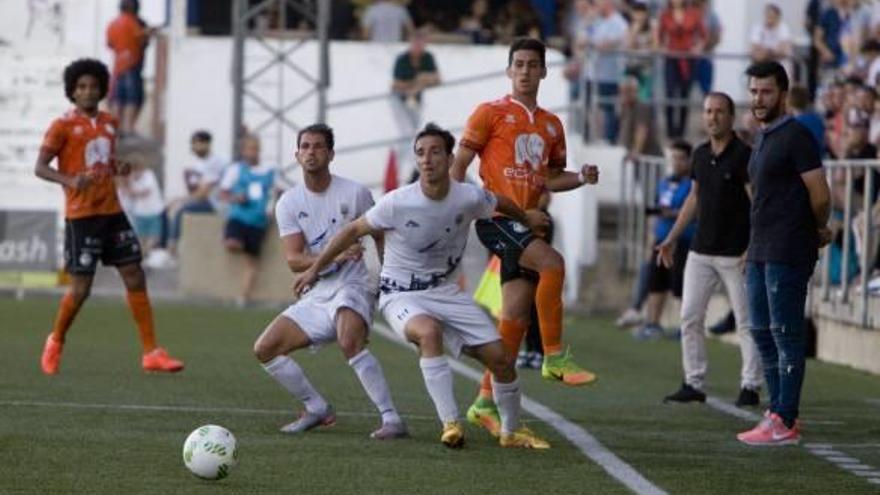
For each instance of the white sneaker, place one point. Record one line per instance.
(629, 318)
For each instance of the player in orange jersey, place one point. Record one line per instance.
(83, 141)
(522, 154)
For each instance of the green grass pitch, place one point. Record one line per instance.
(92, 429)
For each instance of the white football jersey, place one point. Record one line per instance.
(425, 239)
(319, 216)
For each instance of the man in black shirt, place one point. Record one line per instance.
(790, 207)
(719, 198)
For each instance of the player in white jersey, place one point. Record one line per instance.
(426, 228)
(340, 307)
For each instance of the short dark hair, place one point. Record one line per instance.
(527, 44)
(772, 69)
(133, 6)
(322, 129)
(432, 129)
(201, 135)
(682, 145)
(85, 67)
(775, 8)
(724, 96)
(639, 7)
(799, 97)
(868, 89)
(871, 45)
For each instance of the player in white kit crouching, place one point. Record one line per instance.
(426, 228)
(340, 306)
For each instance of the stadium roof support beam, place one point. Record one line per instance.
(246, 71)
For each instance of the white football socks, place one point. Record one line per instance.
(438, 381)
(507, 397)
(286, 372)
(369, 371)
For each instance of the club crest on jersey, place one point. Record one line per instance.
(77, 130)
(411, 224)
(85, 259)
(302, 215)
(458, 219)
(529, 149)
(343, 209)
(510, 119)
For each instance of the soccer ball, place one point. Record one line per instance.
(209, 452)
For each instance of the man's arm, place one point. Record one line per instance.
(463, 158)
(43, 170)
(685, 216)
(379, 240)
(820, 200)
(563, 180)
(337, 245)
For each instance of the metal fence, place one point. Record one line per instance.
(841, 287)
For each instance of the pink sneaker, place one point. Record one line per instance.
(770, 432)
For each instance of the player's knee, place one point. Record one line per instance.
(351, 346)
(501, 368)
(265, 350)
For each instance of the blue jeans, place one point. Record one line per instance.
(607, 93)
(196, 206)
(777, 296)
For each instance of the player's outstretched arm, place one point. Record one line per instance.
(562, 180)
(337, 245)
(463, 158)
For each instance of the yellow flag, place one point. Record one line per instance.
(488, 293)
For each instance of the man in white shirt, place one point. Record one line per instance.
(771, 39)
(340, 306)
(607, 35)
(426, 227)
(386, 21)
(201, 179)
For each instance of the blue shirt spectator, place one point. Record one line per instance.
(671, 194)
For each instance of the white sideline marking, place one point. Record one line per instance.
(193, 409)
(822, 450)
(584, 441)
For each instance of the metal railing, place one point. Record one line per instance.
(848, 296)
(841, 292)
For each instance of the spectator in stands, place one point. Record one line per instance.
(681, 30)
(638, 130)
(871, 57)
(546, 11)
(478, 24)
(671, 194)
(386, 21)
(127, 36)
(147, 205)
(771, 39)
(856, 30)
(833, 98)
(201, 179)
(827, 35)
(608, 35)
(705, 67)
(799, 106)
(248, 187)
(640, 40)
(414, 71)
(516, 20)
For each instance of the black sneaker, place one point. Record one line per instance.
(686, 394)
(747, 397)
(724, 325)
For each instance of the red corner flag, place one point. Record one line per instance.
(391, 172)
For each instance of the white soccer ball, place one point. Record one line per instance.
(209, 452)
